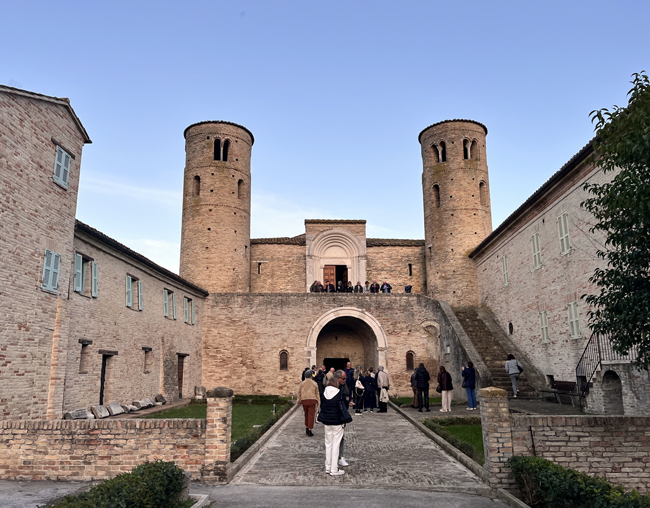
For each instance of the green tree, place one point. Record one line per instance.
(621, 308)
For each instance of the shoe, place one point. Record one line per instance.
(327, 471)
(343, 462)
(307, 431)
(468, 408)
(514, 396)
(427, 410)
(310, 433)
(371, 410)
(337, 473)
(419, 410)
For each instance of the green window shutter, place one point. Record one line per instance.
(94, 289)
(66, 168)
(192, 303)
(78, 276)
(166, 302)
(129, 291)
(174, 305)
(185, 305)
(56, 266)
(61, 167)
(140, 295)
(47, 269)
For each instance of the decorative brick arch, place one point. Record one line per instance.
(348, 250)
(352, 312)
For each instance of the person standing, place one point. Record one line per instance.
(514, 370)
(320, 379)
(349, 378)
(312, 288)
(329, 375)
(319, 287)
(358, 288)
(366, 288)
(339, 287)
(383, 384)
(374, 287)
(369, 391)
(329, 287)
(386, 287)
(422, 378)
(349, 288)
(309, 397)
(408, 288)
(304, 373)
(358, 390)
(330, 417)
(469, 381)
(414, 387)
(444, 380)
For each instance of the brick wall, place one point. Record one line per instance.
(37, 214)
(282, 268)
(560, 280)
(391, 264)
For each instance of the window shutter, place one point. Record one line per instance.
(61, 167)
(58, 164)
(47, 268)
(56, 265)
(129, 291)
(78, 265)
(192, 303)
(174, 305)
(94, 289)
(560, 232)
(66, 168)
(165, 303)
(185, 308)
(139, 295)
(504, 268)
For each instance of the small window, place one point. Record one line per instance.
(284, 360)
(62, 167)
(473, 150)
(443, 152)
(504, 269)
(51, 268)
(511, 329)
(543, 326)
(85, 355)
(435, 154)
(259, 268)
(410, 360)
(563, 230)
(537, 253)
(134, 293)
(188, 310)
(483, 195)
(466, 149)
(85, 276)
(226, 146)
(148, 359)
(436, 196)
(169, 304)
(196, 188)
(240, 189)
(410, 270)
(217, 149)
(574, 320)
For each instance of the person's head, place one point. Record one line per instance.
(511, 357)
(327, 281)
(470, 365)
(358, 283)
(309, 374)
(332, 369)
(366, 373)
(367, 283)
(370, 369)
(348, 365)
(421, 366)
(349, 283)
(442, 369)
(332, 382)
(380, 368)
(374, 282)
(340, 376)
(323, 368)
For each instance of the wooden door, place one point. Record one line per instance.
(329, 273)
(181, 360)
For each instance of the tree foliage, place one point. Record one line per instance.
(621, 207)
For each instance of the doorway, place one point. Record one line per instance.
(335, 273)
(337, 363)
(102, 384)
(181, 365)
(106, 379)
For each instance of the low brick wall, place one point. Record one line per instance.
(100, 449)
(614, 447)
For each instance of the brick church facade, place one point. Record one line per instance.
(89, 321)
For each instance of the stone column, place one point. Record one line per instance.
(216, 466)
(497, 436)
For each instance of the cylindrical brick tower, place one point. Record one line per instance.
(215, 240)
(457, 214)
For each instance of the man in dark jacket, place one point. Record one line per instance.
(374, 287)
(422, 378)
(320, 379)
(329, 287)
(386, 287)
(349, 379)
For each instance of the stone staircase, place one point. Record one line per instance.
(491, 352)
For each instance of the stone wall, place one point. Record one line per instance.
(37, 214)
(618, 388)
(277, 268)
(83, 450)
(391, 263)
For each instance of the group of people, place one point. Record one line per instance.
(420, 386)
(329, 287)
(332, 393)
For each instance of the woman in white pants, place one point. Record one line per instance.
(330, 417)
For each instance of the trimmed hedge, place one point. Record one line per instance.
(149, 485)
(260, 400)
(242, 444)
(438, 426)
(544, 484)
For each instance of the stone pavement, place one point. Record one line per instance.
(384, 451)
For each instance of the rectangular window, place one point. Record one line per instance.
(51, 267)
(537, 252)
(543, 325)
(61, 167)
(188, 308)
(563, 230)
(148, 359)
(504, 269)
(169, 300)
(85, 354)
(134, 292)
(85, 276)
(410, 270)
(259, 268)
(574, 320)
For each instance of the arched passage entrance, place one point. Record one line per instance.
(347, 333)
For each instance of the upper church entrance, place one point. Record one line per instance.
(335, 273)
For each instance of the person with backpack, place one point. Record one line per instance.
(332, 417)
(446, 386)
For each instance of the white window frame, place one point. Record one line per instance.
(81, 267)
(543, 327)
(563, 231)
(129, 293)
(51, 269)
(188, 310)
(62, 167)
(504, 270)
(574, 320)
(537, 251)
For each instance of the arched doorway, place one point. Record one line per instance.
(612, 393)
(347, 334)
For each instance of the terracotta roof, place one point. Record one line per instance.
(572, 163)
(61, 101)
(220, 121)
(393, 242)
(131, 253)
(449, 121)
(334, 221)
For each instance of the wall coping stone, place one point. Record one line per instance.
(220, 392)
(492, 392)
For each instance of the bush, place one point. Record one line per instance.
(150, 485)
(241, 445)
(544, 484)
(439, 429)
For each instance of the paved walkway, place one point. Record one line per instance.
(384, 451)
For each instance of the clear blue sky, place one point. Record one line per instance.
(335, 93)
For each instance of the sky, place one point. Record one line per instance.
(335, 93)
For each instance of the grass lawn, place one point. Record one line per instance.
(471, 434)
(243, 416)
(408, 400)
